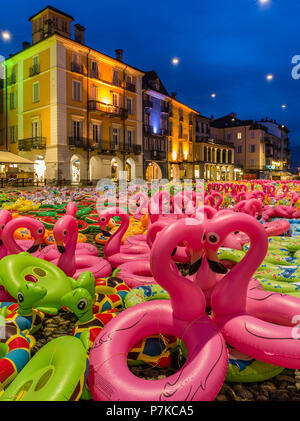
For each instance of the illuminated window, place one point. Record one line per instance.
(239, 135)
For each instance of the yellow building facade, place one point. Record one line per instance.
(74, 111)
(181, 140)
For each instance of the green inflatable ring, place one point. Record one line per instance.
(16, 268)
(51, 375)
(144, 293)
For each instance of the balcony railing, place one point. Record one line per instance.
(130, 86)
(34, 70)
(108, 146)
(76, 67)
(113, 110)
(77, 142)
(32, 143)
(117, 82)
(95, 74)
(213, 141)
(155, 154)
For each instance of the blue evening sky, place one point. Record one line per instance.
(224, 47)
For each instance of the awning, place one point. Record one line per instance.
(11, 158)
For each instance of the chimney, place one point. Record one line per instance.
(26, 44)
(119, 54)
(79, 33)
(174, 95)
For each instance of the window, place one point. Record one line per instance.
(239, 149)
(76, 90)
(55, 22)
(35, 128)
(228, 136)
(13, 100)
(170, 145)
(190, 134)
(1, 104)
(239, 135)
(115, 79)
(64, 26)
(180, 114)
(13, 134)
(130, 137)
(170, 128)
(252, 134)
(35, 61)
(94, 70)
(36, 92)
(76, 129)
(263, 148)
(251, 162)
(180, 131)
(252, 148)
(116, 99)
(116, 136)
(94, 93)
(96, 129)
(129, 105)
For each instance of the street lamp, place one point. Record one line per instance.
(175, 61)
(5, 35)
(213, 95)
(270, 77)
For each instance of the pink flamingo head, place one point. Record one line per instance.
(71, 209)
(65, 232)
(107, 214)
(35, 227)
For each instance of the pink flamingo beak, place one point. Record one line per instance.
(35, 246)
(60, 247)
(196, 261)
(213, 262)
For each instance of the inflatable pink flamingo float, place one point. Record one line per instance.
(51, 252)
(36, 229)
(261, 340)
(183, 316)
(66, 232)
(113, 251)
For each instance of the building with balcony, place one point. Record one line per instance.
(261, 147)
(214, 157)
(155, 127)
(71, 107)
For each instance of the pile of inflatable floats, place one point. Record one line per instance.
(234, 316)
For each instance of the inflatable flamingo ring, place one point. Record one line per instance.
(271, 343)
(66, 233)
(183, 316)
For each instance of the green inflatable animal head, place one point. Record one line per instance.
(80, 302)
(28, 295)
